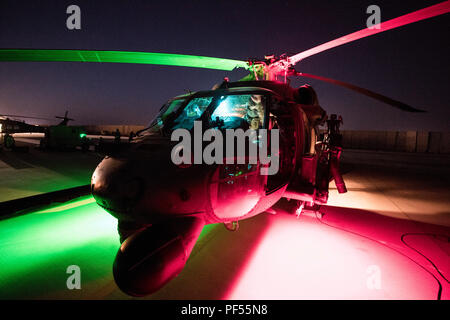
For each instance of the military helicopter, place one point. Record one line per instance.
(60, 136)
(162, 207)
(9, 126)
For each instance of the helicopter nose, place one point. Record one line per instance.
(115, 187)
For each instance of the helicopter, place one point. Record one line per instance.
(60, 136)
(162, 207)
(9, 126)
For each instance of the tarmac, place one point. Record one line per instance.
(387, 238)
(34, 172)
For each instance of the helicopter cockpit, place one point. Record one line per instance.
(226, 111)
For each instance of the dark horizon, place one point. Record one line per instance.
(409, 64)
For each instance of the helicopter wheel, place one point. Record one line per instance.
(306, 208)
(9, 141)
(231, 226)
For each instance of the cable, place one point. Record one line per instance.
(429, 260)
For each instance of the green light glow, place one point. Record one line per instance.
(121, 57)
(82, 135)
(38, 243)
(37, 248)
(68, 206)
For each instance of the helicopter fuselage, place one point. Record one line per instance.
(161, 206)
(143, 184)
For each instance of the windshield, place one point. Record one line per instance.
(246, 111)
(239, 111)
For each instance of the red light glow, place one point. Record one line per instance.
(429, 12)
(306, 259)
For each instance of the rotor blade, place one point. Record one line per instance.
(377, 96)
(26, 117)
(167, 59)
(429, 12)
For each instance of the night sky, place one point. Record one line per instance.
(410, 64)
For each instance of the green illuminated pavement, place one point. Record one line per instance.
(37, 248)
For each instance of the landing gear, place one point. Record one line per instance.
(9, 141)
(299, 210)
(304, 208)
(231, 226)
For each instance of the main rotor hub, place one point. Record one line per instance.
(272, 68)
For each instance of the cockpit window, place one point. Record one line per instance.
(246, 111)
(167, 111)
(172, 107)
(191, 112)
